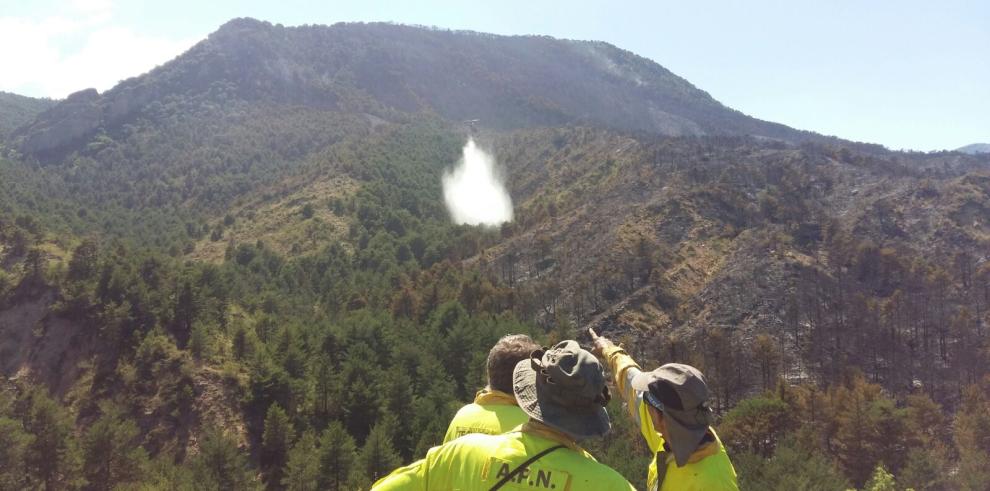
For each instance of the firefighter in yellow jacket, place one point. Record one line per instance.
(670, 405)
(494, 410)
(562, 390)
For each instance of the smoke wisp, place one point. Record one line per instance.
(473, 191)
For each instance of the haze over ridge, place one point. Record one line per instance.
(856, 70)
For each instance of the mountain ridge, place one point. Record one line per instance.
(382, 68)
(17, 110)
(975, 148)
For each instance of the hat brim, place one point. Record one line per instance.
(642, 381)
(580, 423)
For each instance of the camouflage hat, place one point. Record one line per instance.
(564, 388)
(680, 392)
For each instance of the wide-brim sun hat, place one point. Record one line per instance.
(680, 392)
(564, 387)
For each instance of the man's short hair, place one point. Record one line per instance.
(504, 356)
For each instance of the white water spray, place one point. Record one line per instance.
(474, 193)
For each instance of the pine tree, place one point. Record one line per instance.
(35, 262)
(275, 443)
(326, 390)
(187, 307)
(791, 467)
(6, 283)
(199, 342)
(302, 471)
(868, 429)
(360, 392)
(432, 409)
(755, 425)
(53, 456)
(972, 435)
(111, 456)
(398, 400)
(240, 343)
(926, 420)
(14, 446)
(927, 468)
(767, 355)
(220, 464)
(164, 473)
(337, 458)
(881, 480)
(82, 265)
(405, 303)
(378, 457)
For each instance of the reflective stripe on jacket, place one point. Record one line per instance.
(708, 468)
(492, 413)
(476, 462)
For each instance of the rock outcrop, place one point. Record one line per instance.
(76, 117)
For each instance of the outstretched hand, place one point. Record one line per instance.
(600, 343)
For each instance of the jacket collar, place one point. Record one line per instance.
(707, 449)
(492, 397)
(541, 430)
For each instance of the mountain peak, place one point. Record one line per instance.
(239, 27)
(504, 81)
(975, 148)
(85, 95)
(243, 23)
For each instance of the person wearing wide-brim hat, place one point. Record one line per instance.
(670, 404)
(563, 391)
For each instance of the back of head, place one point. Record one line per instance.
(564, 387)
(504, 356)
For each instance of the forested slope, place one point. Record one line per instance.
(16, 110)
(237, 271)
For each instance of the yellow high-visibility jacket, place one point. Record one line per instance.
(708, 468)
(477, 462)
(492, 413)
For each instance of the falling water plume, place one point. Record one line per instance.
(474, 193)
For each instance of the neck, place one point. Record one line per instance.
(547, 431)
(493, 396)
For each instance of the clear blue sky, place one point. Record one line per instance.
(906, 74)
